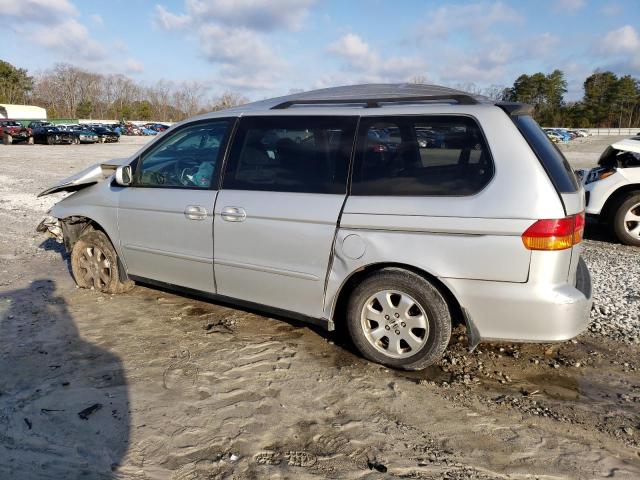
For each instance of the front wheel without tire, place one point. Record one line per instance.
(626, 220)
(94, 264)
(397, 318)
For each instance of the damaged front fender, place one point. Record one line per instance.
(89, 176)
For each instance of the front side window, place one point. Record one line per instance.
(436, 155)
(186, 158)
(291, 154)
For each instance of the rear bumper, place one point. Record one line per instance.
(524, 312)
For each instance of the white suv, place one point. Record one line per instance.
(613, 190)
(396, 210)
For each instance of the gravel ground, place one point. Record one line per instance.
(615, 268)
(153, 385)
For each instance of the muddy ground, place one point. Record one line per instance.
(171, 387)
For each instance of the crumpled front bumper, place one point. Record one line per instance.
(52, 227)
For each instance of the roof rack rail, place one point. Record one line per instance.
(373, 102)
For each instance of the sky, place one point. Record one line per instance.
(265, 48)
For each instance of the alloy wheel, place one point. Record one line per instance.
(632, 221)
(95, 268)
(394, 324)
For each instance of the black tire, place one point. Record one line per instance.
(619, 225)
(7, 139)
(94, 264)
(426, 297)
(50, 140)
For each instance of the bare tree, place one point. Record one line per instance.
(227, 100)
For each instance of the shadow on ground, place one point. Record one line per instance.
(64, 409)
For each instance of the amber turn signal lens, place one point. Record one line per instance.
(554, 234)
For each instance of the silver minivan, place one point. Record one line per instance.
(395, 211)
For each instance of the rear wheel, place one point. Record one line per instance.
(625, 220)
(397, 318)
(7, 139)
(94, 264)
(50, 140)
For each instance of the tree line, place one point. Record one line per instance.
(67, 91)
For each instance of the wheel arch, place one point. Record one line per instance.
(615, 197)
(350, 282)
(74, 226)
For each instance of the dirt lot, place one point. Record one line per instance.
(184, 389)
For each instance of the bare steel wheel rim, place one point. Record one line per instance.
(632, 221)
(95, 268)
(394, 323)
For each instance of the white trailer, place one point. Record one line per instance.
(22, 112)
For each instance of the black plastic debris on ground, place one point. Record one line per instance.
(84, 414)
(375, 465)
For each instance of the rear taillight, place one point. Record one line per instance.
(554, 234)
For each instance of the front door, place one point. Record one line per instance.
(165, 218)
(276, 215)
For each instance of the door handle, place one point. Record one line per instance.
(233, 214)
(195, 212)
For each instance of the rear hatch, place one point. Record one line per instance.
(561, 175)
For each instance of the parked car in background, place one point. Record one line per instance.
(158, 127)
(83, 135)
(295, 207)
(613, 190)
(14, 132)
(105, 135)
(50, 134)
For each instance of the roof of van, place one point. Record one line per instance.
(368, 95)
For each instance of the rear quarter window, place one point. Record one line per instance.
(551, 158)
(421, 156)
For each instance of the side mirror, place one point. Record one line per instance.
(123, 175)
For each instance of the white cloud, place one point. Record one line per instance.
(53, 25)
(367, 64)
(37, 11)
(133, 66)
(540, 45)
(570, 6)
(70, 37)
(171, 21)
(622, 40)
(261, 15)
(234, 36)
(474, 18)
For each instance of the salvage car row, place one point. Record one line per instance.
(50, 134)
(563, 135)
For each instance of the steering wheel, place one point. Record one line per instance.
(186, 176)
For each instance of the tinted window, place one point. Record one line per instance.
(291, 154)
(549, 155)
(186, 158)
(439, 155)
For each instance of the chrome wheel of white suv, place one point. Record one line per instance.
(394, 323)
(625, 220)
(632, 220)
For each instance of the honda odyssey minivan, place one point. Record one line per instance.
(394, 210)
